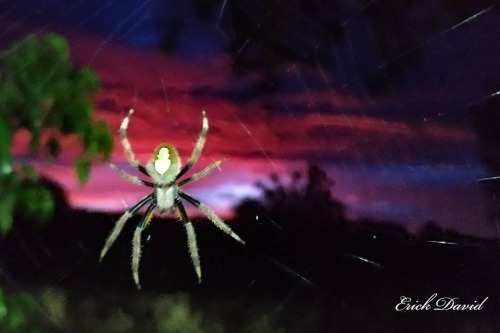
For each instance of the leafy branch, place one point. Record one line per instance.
(41, 91)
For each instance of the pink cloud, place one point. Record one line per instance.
(257, 141)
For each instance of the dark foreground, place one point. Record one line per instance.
(344, 278)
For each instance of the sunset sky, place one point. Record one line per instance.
(409, 154)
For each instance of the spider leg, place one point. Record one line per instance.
(136, 242)
(129, 153)
(219, 223)
(120, 223)
(129, 177)
(198, 148)
(202, 173)
(191, 237)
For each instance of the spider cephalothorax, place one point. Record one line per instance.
(164, 168)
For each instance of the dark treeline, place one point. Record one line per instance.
(301, 250)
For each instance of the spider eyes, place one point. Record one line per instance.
(162, 162)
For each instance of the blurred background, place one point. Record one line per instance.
(362, 149)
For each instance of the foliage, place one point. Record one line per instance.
(41, 91)
(306, 198)
(69, 310)
(15, 312)
(298, 220)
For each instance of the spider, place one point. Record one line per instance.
(164, 168)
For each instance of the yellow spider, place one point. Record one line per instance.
(164, 168)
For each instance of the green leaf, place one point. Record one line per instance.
(35, 202)
(4, 311)
(7, 205)
(30, 173)
(10, 98)
(104, 139)
(58, 43)
(5, 144)
(82, 166)
(18, 311)
(46, 205)
(88, 80)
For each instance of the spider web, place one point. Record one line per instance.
(392, 108)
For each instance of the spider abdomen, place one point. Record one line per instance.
(165, 197)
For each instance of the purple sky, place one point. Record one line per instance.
(391, 156)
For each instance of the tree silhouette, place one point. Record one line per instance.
(299, 222)
(308, 198)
